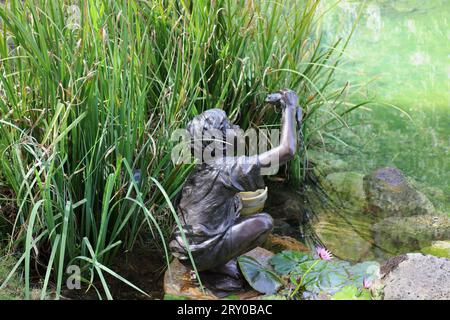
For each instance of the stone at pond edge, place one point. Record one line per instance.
(390, 194)
(418, 277)
(396, 235)
(276, 244)
(438, 249)
(178, 285)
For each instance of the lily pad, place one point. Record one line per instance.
(286, 261)
(261, 279)
(352, 293)
(323, 277)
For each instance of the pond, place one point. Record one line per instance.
(398, 58)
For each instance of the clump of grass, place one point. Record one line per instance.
(90, 91)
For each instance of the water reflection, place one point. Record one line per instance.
(403, 46)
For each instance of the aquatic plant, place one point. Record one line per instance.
(310, 278)
(298, 275)
(90, 93)
(367, 283)
(324, 254)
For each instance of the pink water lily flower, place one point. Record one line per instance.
(367, 283)
(323, 253)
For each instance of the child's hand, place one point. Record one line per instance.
(283, 98)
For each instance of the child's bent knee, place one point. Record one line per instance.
(264, 222)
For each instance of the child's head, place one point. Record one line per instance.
(211, 122)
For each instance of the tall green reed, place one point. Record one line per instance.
(92, 90)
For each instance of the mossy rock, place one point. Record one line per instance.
(438, 249)
(390, 193)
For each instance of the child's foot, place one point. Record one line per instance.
(230, 269)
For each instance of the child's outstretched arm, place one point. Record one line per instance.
(281, 154)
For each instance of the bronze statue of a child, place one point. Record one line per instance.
(209, 207)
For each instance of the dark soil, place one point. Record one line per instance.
(143, 267)
(8, 210)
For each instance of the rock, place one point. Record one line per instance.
(418, 277)
(276, 244)
(346, 187)
(392, 263)
(438, 249)
(397, 235)
(390, 194)
(349, 240)
(178, 284)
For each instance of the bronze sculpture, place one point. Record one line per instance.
(209, 207)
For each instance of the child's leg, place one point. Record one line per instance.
(245, 235)
(250, 232)
(223, 275)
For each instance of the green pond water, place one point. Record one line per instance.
(398, 58)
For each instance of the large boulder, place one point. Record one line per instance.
(389, 193)
(416, 277)
(396, 235)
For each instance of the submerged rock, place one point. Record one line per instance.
(390, 194)
(397, 235)
(417, 277)
(347, 188)
(347, 237)
(438, 249)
